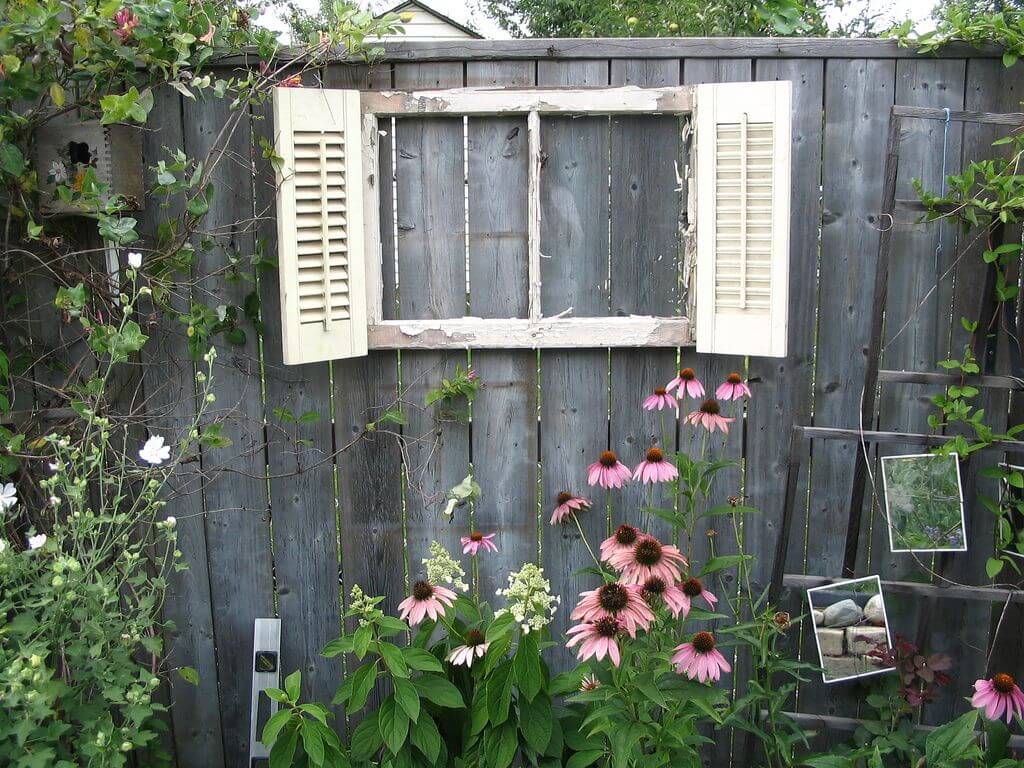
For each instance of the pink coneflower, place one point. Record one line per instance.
(670, 593)
(660, 400)
(126, 22)
(709, 416)
(474, 648)
(699, 660)
(654, 468)
(648, 559)
(472, 544)
(589, 683)
(997, 696)
(425, 600)
(733, 388)
(616, 601)
(598, 639)
(687, 384)
(622, 540)
(566, 505)
(608, 471)
(692, 589)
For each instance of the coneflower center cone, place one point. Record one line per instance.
(734, 378)
(659, 391)
(608, 459)
(704, 642)
(1003, 682)
(476, 536)
(687, 374)
(607, 627)
(711, 406)
(625, 534)
(647, 552)
(655, 454)
(422, 590)
(692, 587)
(613, 597)
(654, 586)
(563, 497)
(474, 637)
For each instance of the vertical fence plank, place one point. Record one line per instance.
(301, 466)
(917, 316)
(782, 394)
(712, 536)
(858, 95)
(504, 429)
(574, 383)
(237, 514)
(990, 88)
(370, 463)
(169, 380)
(645, 263)
(430, 204)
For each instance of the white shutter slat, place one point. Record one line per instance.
(743, 135)
(321, 258)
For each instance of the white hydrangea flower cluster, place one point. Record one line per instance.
(442, 568)
(362, 605)
(529, 598)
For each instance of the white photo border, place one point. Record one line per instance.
(960, 491)
(817, 642)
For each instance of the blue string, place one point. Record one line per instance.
(945, 140)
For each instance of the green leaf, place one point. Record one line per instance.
(313, 742)
(721, 562)
(503, 746)
(499, 693)
(526, 666)
(426, 738)
(439, 690)
(284, 749)
(394, 659)
(407, 697)
(993, 566)
(422, 660)
(11, 160)
(536, 721)
(362, 684)
(293, 684)
(361, 640)
(585, 758)
(393, 724)
(828, 761)
(366, 739)
(274, 725)
(189, 675)
(953, 742)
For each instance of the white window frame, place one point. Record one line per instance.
(534, 331)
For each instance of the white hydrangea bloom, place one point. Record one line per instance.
(529, 598)
(442, 568)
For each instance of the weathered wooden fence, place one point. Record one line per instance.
(292, 547)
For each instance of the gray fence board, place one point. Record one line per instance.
(858, 95)
(301, 466)
(430, 207)
(645, 266)
(574, 383)
(504, 430)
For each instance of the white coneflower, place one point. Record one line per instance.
(475, 647)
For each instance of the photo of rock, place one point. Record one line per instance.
(924, 503)
(849, 623)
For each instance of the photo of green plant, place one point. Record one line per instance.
(924, 503)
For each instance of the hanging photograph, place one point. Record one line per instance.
(924, 503)
(850, 628)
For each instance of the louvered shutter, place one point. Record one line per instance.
(743, 189)
(321, 258)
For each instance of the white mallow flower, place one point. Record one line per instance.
(55, 501)
(8, 496)
(134, 259)
(59, 171)
(171, 521)
(154, 451)
(35, 542)
(3, 546)
(56, 466)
